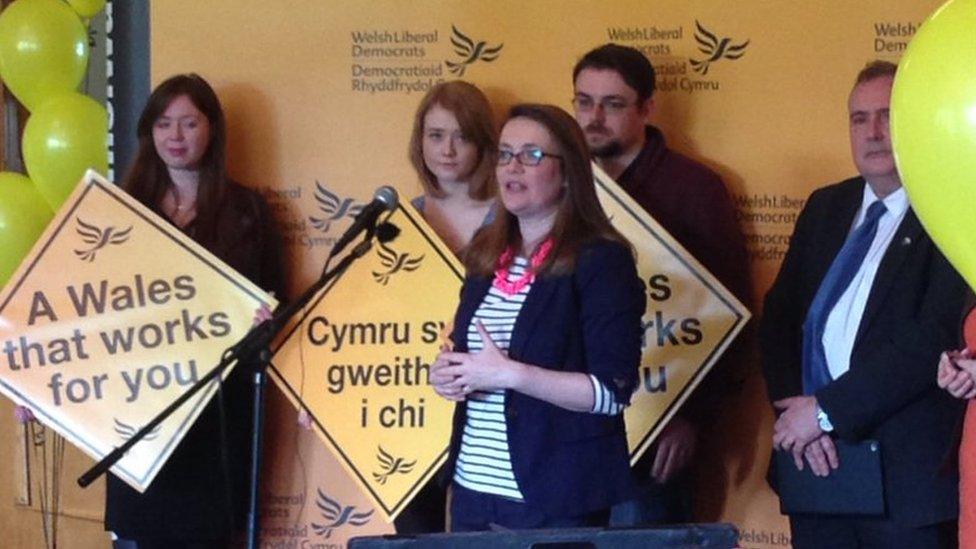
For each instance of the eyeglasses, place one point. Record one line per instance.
(611, 105)
(529, 156)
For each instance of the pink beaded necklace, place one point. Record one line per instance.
(505, 262)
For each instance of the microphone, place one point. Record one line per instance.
(385, 199)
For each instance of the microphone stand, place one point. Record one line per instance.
(255, 343)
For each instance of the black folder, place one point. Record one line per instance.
(854, 488)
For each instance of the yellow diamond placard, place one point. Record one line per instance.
(691, 317)
(112, 316)
(360, 357)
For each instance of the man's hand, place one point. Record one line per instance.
(821, 454)
(797, 425)
(675, 449)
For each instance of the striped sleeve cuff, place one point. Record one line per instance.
(603, 400)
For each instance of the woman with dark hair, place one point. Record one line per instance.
(199, 498)
(547, 343)
(452, 147)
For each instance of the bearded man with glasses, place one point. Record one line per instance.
(613, 99)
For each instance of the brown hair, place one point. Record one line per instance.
(148, 178)
(876, 69)
(580, 217)
(470, 106)
(635, 70)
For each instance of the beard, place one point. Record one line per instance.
(607, 150)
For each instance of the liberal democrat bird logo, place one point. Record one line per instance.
(470, 52)
(333, 207)
(126, 431)
(715, 49)
(394, 263)
(337, 515)
(390, 465)
(98, 238)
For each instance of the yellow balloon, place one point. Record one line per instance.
(65, 136)
(87, 8)
(43, 50)
(23, 216)
(933, 129)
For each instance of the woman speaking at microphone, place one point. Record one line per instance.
(199, 498)
(547, 343)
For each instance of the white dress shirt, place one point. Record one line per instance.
(845, 318)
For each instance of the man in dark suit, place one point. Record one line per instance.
(613, 96)
(851, 334)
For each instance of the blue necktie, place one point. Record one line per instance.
(838, 278)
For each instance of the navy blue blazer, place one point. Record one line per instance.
(569, 463)
(889, 393)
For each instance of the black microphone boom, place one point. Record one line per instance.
(385, 199)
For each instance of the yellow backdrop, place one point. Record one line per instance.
(321, 94)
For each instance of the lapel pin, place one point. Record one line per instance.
(906, 241)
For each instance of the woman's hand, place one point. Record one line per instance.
(487, 370)
(456, 375)
(968, 367)
(261, 314)
(304, 419)
(23, 414)
(957, 374)
(442, 382)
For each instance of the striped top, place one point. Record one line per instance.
(484, 462)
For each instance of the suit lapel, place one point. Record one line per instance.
(905, 241)
(530, 316)
(838, 223)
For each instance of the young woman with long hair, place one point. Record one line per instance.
(199, 497)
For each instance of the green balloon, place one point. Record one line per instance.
(23, 216)
(43, 50)
(67, 135)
